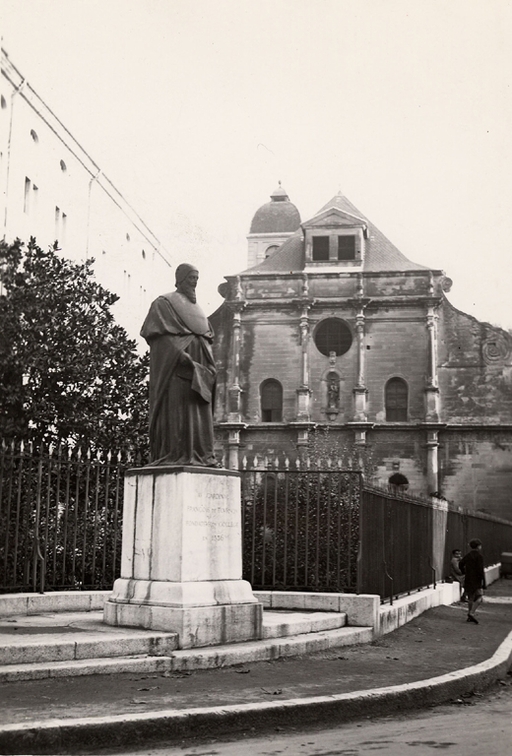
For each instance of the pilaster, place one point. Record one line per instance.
(360, 390)
(234, 448)
(303, 430)
(432, 460)
(234, 389)
(304, 392)
(432, 387)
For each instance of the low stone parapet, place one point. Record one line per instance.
(404, 609)
(362, 609)
(59, 601)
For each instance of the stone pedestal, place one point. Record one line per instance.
(181, 566)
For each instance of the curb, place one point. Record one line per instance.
(75, 735)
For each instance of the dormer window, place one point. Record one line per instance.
(346, 247)
(320, 248)
(335, 239)
(335, 247)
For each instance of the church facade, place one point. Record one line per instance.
(332, 327)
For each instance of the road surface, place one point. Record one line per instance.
(475, 726)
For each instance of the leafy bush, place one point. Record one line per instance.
(68, 372)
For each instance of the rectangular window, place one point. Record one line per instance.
(26, 200)
(320, 248)
(33, 201)
(30, 197)
(346, 247)
(60, 225)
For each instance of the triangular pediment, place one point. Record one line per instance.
(334, 217)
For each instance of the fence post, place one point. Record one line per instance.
(360, 555)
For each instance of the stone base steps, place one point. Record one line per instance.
(74, 636)
(77, 668)
(78, 646)
(282, 623)
(191, 659)
(68, 644)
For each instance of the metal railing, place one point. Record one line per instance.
(303, 529)
(326, 530)
(60, 518)
(396, 544)
(463, 525)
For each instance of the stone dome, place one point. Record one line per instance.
(277, 216)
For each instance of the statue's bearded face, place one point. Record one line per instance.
(188, 285)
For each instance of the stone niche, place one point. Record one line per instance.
(181, 565)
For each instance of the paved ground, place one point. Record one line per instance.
(437, 642)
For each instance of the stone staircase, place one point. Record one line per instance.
(66, 644)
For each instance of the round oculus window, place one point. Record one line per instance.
(333, 335)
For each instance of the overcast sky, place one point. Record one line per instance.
(195, 109)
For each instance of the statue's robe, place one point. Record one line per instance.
(181, 397)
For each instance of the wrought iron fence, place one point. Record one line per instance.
(462, 526)
(396, 543)
(60, 518)
(326, 530)
(301, 529)
(407, 542)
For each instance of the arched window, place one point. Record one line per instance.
(271, 401)
(398, 482)
(396, 400)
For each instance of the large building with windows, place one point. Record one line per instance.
(337, 329)
(53, 190)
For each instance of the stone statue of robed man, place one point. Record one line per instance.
(182, 376)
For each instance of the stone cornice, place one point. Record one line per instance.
(369, 425)
(326, 273)
(353, 303)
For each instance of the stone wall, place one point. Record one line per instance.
(476, 470)
(396, 346)
(475, 369)
(399, 450)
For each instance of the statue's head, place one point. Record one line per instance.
(186, 280)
